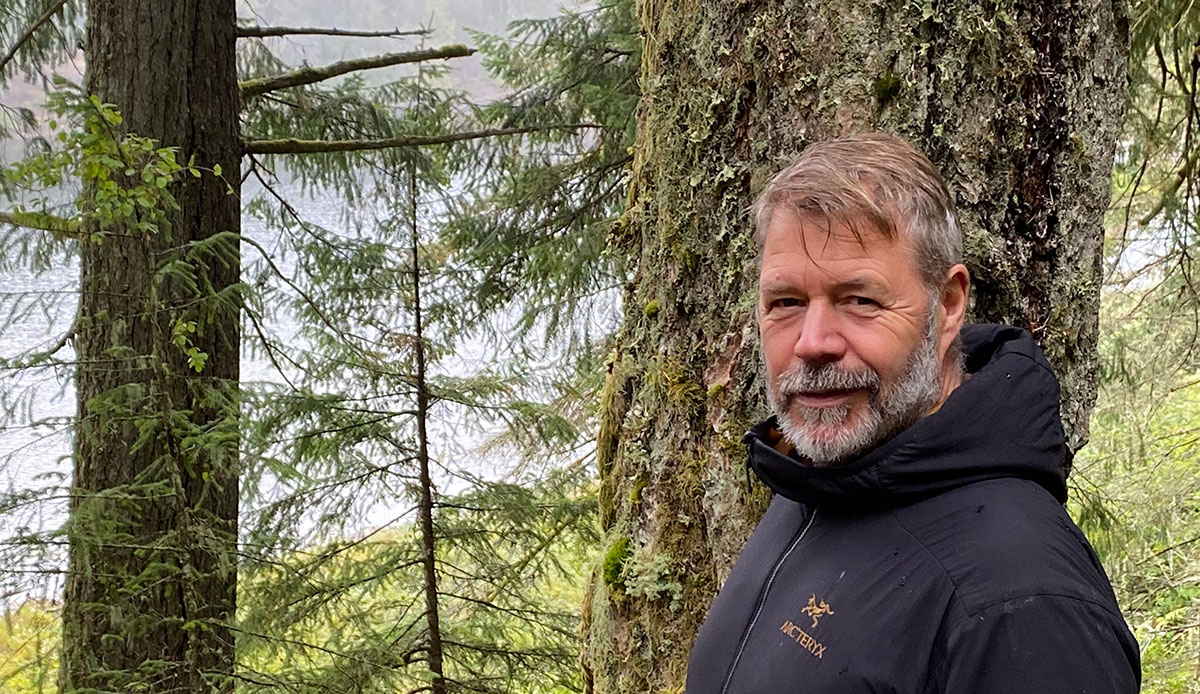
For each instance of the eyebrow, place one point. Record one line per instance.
(773, 287)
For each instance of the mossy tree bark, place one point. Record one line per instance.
(151, 581)
(1018, 103)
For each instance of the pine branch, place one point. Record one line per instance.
(28, 33)
(311, 75)
(293, 146)
(59, 226)
(263, 32)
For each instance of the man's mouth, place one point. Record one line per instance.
(823, 398)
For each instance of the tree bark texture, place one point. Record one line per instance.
(152, 578)
(1017, 103)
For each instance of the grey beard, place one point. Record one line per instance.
(824, 436)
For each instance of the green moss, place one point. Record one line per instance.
(681, 390)
(685, 257)
(635, 493)
(651, 308)
(606, 508)
(887, 88)
(613, 406)
(614, 562)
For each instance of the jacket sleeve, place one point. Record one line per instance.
(1040, 645)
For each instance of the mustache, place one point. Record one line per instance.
(806, 379)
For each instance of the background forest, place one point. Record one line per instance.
(356, 449)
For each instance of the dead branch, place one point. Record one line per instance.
(293, 146)
(312, 75)
(264, 32)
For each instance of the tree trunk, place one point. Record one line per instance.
(425, 501)
(151, 582)
(1018, 103)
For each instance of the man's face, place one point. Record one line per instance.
(850, 339)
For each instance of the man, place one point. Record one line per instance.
(917, 542)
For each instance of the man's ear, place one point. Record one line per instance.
(952, 313)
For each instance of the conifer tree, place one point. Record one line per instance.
(166, 432)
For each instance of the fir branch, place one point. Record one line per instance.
(269, 347)
(315, 646)
(29, 32)
(295, 287)
(59, 226)
(38, 357)
(518, 567)
(312, 75)
(266, 31)
(294, 146)
(1172, 188)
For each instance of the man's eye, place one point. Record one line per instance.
(863, 301)
(786, 302)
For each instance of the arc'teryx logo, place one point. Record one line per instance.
(803, 638)
(816, 611)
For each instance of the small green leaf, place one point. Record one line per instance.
(196, 359)
(216, 169)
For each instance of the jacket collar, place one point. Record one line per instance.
(1003, 421)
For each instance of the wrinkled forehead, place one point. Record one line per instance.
(822, 236)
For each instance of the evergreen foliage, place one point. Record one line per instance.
(486, 595)
(537, 213)
(1136, 485)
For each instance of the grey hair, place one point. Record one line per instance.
(873, 181)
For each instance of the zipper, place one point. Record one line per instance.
(762, 600)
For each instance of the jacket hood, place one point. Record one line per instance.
(1003, 421)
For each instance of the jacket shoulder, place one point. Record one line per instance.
(1007, 539)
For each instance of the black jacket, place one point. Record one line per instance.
(941, 562)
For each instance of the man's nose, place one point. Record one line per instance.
(820, 339)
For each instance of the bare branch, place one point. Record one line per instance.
(293, 146)
(25, 36)
(311, 75)
(263, 32)
(59, 226)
